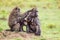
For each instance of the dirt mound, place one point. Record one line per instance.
(8, 35)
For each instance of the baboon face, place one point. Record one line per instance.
(33, 12)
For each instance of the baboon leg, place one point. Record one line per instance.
(29, 29)
(11, 28)
(16, 27)
(21, 28)
(38, 31)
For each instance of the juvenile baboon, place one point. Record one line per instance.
(14, 19)
(33, 24)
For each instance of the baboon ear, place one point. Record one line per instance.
(35, 9)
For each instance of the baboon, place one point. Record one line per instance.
(23, 21)
(14, 19)
(33, 24)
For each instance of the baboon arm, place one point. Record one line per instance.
(37, 21)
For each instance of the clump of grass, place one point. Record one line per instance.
(18, 39)
(51, 26)
(43, 39)
(1, 29)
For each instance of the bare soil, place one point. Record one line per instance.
(8, 35)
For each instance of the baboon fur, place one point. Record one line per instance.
(14, 19)
(33, 24)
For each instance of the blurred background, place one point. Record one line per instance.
(48, 11)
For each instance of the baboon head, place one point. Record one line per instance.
(33, 12)
(16, 10)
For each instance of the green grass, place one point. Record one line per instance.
(50, 15)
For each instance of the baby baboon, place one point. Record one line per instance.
(33, 22)
(14, 18)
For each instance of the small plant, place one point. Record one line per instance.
(43, 39)
(51, 26)
(17, 39)
(1, 29)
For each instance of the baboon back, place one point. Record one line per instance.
(14, 17)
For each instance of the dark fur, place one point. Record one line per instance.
(33, 24)
(14, 19)
(16, 27)
(23, 21)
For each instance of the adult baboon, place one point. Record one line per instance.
(33, 24)
(14, 19)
